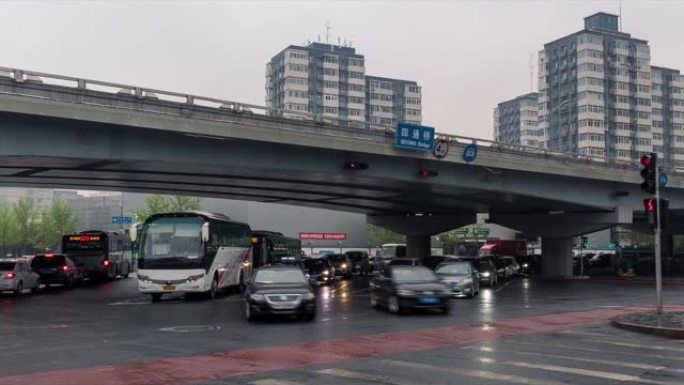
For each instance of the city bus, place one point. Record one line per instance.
(270, 247)
(99, 254)
(192, 252)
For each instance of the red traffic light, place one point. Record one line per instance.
(649, 205)
(646, 160)
(425, 173)
(356, 165)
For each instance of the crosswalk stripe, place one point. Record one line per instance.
(588, 373)
(633, 345)
(363, 376)
(272, 381)
(584, 349)
(579, 359)
(590, 334)
(488, 375)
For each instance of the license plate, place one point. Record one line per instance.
(168, 287)
(428, 300)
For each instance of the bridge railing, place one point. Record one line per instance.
(325, 124)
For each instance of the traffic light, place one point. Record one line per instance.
(426, 173)
(651, 212)
(353, 165)
(585, 242)
(648, 173)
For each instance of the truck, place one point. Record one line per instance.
(500, 248)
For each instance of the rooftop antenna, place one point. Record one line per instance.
(620, 17)
(531, 71)
(319, 38)
(327, 32)
(339, 41)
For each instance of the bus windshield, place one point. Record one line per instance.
(172, 242)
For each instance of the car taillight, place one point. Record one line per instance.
(10, 276)
(65, 267)
(105, 263)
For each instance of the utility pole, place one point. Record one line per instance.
(658, 257)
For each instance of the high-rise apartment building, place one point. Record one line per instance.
(595, 92)
(389, 101)
(600, 96)
(330, 81)
(516, 121)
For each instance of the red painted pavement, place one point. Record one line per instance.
(206, 367)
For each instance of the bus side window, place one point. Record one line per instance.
(119, 245)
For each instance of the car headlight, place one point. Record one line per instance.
(486, 274)
(309, 296)
(467, 281)
(257, 297)
(525, 265)
(344, 266)
(144, 278)
(404, 292)
(326, 272)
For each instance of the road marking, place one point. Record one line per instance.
(234, 363)
(487, 375)
(368, 377)
(583, 349)
(504, 285)
(574, 358)
(633, 345)
(272, 381)
(588, 373)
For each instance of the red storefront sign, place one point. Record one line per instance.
(323, 236)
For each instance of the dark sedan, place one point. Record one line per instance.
(279, 291)
(409, 287)
(319, 270)
(56, 268)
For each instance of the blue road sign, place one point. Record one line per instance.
(122, 220)
(470, 152)
(414, 137)
(662, 179)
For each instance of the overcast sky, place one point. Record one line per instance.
(467, 55)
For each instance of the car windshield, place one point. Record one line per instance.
(7, 266)
(44, 261)
(337, 258)
(481, 265)
(414, 274)
(403, 262)
(274, 276)
(356, 256)
(453, 269)
(315, 264)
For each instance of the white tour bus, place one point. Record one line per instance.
(192, 252)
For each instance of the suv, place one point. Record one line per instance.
(360, 262)
(341, 264)
(56, 268)
(16, 275)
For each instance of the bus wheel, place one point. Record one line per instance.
(156, 297)
(241, 284)
(214, 287)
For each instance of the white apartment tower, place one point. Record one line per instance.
(330, 81)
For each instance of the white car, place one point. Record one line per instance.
(16, 276)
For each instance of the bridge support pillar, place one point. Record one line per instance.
(557, 257)
(418, 246)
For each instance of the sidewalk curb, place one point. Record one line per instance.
(676, 333)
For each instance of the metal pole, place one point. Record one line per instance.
(658, 262)
(581, 256)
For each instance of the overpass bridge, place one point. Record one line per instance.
(66, 132)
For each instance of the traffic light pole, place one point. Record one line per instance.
(658, 261)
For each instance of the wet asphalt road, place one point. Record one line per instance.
(527, 331)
